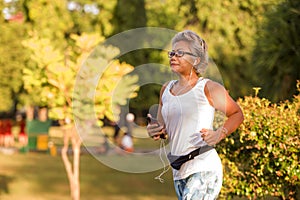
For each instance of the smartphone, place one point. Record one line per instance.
(152, 120)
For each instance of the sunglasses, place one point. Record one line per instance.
(179, 53)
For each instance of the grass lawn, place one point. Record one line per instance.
(39, 176)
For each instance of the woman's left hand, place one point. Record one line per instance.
(211, 137)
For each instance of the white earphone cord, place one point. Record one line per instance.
(165, 168)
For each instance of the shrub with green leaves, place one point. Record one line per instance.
(262, 157)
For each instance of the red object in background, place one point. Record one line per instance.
(22, 126)
(1, 128)
(7, 127)
(7, 138)
(19, 17)
(23, 138)
(1, 133)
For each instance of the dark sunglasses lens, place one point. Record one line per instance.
(171, 54)
(180, 53)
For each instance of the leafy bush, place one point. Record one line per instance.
(262, 157)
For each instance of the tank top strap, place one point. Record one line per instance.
(170, 84)
(201, 82)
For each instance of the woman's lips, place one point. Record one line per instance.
(173, 64)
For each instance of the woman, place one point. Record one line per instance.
(186, 113)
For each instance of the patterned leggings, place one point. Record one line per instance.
(204, 185)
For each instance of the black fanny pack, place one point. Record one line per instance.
(177, 161)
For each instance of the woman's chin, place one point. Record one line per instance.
(174, 68)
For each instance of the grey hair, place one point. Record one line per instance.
(198, 47)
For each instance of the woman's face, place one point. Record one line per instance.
(182, 65)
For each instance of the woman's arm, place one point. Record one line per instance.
(219, 98)
(159, 115)
(155, 131)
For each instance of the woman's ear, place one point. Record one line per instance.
(196, 62)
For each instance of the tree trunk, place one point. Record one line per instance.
(72, 170)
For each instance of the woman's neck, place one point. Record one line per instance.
(183, 85)
(187, 80)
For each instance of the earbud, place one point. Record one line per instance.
(195, 62)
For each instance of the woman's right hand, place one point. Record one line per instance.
(154, 129)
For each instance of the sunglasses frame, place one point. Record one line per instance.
(179, 53)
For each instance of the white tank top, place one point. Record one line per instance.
(184, 116)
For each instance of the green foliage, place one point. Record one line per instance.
(88, 22)
(227, 26)
(129, 15)
(234, 30)
(50, 80)
(276, 56)
(12, 61)
(162, 13)
(123, 9)
(262, 158)
(50, 18)
(40, 78)
(113, 88)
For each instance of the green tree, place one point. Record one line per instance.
(228, 27)
(91, 16)
(51, 19)
(276, 56)
(163, 13)
(129, 15)
(59, 19)
(50, 81)
(13, 57)
(11, 63)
